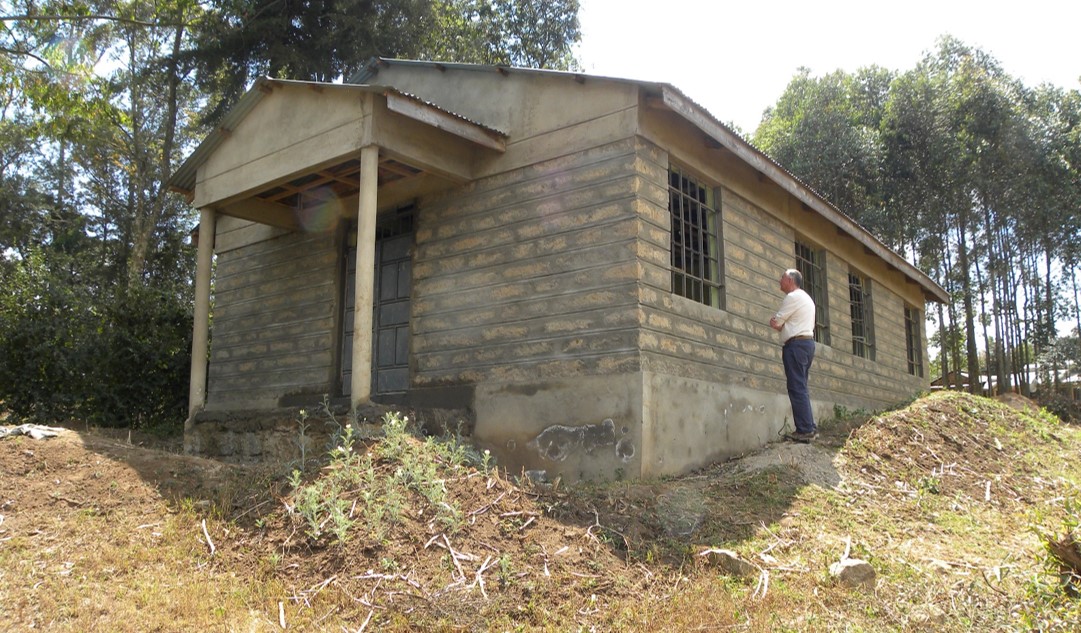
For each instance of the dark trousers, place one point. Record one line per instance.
(797, 356)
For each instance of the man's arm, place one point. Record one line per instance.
(785, 311)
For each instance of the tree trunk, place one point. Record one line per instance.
(1052, 329)
(972, 353)
(149, 210)
(983, 285)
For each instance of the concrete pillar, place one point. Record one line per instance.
(361, 385)
(200, 335)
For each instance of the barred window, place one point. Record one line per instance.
(811, 263)
(863, 331)
(914, 341)
(697, 271)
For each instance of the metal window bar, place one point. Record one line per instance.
(912, 342)
(812, 265)
(859, 296)
(696, 262)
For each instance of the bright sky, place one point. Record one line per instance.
(735, 58)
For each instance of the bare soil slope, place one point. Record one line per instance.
(98, 532)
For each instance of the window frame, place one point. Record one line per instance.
(914, 340)
(861, 309)
(697, 269)
(811, 263)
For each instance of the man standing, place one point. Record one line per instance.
(795, 320)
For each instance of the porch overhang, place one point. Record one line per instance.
(291, 145)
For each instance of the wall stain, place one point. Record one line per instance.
(559, 441)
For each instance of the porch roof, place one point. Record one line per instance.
(341, 176)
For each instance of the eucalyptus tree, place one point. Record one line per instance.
(922, 167)
(977, 160)
(1053, 223)
(825, 131)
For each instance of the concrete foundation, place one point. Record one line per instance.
(280, 436)
(630, 425)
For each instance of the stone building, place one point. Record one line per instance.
(586, 265)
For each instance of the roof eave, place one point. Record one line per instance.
(697, 116)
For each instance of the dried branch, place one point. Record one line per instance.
(368, 619)
(208, 541)
(762, 587)
(453, 556)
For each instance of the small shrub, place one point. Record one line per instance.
(374, 490)
(1054, 595)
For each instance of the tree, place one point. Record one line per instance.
(971, 175)
(825, 131)
(101, 319)
(328, 40)
(525, 33)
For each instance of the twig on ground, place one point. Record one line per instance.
(254, 507)
(281, 614)
(544, 555)
(208, 541)
(479, 579)
(73, 502)
(597, 524)
(453, 557)
(762, 587)
(983, 572)
(484, 508)
(314, 591)
(491, 547)
(326, 615)
(366, 621)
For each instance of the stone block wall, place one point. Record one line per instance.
(530, 274)
(275, 303)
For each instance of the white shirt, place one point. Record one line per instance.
(797, 313)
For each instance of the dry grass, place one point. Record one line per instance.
(940, 497)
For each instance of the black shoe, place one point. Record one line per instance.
(803, 438)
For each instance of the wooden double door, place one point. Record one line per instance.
(390, 317)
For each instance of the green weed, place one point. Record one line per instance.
(373, 490)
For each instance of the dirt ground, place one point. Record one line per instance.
(519, 545)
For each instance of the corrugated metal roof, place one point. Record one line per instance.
(184, 178)
(371, 71)
(728, 138)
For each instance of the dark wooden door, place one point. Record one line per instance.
(390, 318)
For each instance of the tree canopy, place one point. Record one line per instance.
(971, 174)
(98, 103)
(327, 40)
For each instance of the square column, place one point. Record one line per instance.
(200, 335)
(364, 298)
